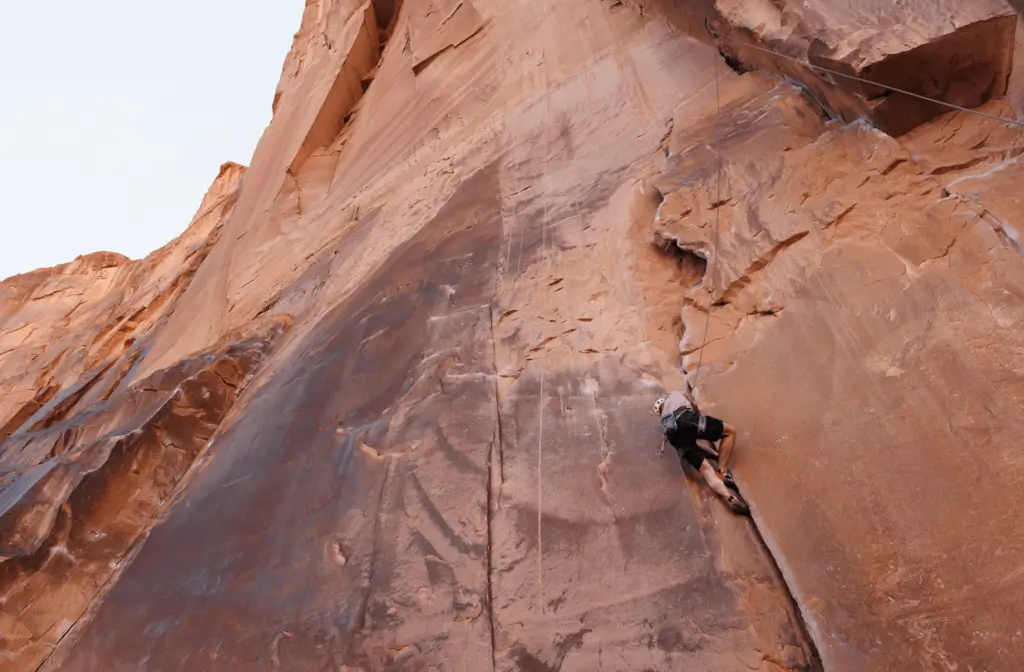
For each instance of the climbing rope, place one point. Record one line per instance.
(718, 221)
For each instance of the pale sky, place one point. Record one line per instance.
(115, 117)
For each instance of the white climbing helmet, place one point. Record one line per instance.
(658, 405)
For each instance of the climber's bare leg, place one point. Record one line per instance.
(725, 447)
(714, 482)
(732, 500)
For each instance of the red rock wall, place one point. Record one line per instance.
(386, 403)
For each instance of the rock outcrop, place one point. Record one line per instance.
(959, 53)
(863, 315)
(386, 403)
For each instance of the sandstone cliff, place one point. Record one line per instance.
(386, 403)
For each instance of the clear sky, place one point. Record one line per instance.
(115, 117)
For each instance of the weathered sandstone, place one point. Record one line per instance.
(385, 405)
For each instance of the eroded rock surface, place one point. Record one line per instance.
(386, 403)
(959, 53)
(862, 332)
(87, 461)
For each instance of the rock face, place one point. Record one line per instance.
(386, 403)
(862, 332)
(956, 52)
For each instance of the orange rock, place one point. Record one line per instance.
(386, 402)
(960, 53)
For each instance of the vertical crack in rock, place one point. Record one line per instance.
(796, 612)
(680, 274)
(379, 203)
(378, 512)
(493, 485)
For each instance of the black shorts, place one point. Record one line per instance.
(694, 456)
(690, 427)
(714, 429)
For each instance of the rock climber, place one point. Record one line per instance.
(683, 425)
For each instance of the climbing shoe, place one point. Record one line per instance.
(738, 506)
(729, 482)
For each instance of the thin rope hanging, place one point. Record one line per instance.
(862, 80)
(718, 221)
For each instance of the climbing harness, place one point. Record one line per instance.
(686, 420)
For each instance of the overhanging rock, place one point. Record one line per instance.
(960, 53)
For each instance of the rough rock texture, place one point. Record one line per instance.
(863, 332)
(386, 403)
(61, 323)
(87, 462)
(958, 52)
